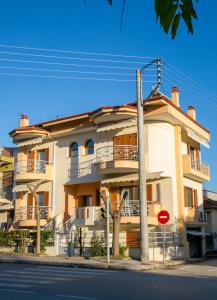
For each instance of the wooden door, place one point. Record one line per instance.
(30, 161)
(127, 139)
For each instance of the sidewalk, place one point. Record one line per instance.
(80, 262)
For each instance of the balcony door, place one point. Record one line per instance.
(125, 146)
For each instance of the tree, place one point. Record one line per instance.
(115, 213)
(170, 13)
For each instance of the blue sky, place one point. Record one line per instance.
(72, 25)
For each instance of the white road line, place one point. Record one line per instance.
(18, 291)
(16, 285)
(28, 276)
(25, 280)
(55, 271)
(70, 275)
(74, 268)
(76, 297)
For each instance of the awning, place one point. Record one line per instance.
(20, 188)
(34, 141)
(196, 233)
(195, 136)
(118, 125)
(133, 177)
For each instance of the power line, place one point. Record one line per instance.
(192, 80)
(70, 64)
(75, 52)
(71, 58)
(200, 94)
(71, 71)
(72, 77)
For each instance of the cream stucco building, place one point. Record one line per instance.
(77, 155)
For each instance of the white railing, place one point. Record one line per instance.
(130, 208)
(29, 213)
(196, 164)
(30, 166)
(117, 152)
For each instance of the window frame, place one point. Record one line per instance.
(87, 147)
(71, 151)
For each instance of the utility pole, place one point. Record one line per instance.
(107, 228)
(144, 243)
(33, 189)
(144, 247)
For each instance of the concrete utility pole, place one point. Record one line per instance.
(144, 247)
(33, 189)
(144, 243)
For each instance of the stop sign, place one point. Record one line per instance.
(163, 216)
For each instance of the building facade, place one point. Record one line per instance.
(75, 157)
(6, 186)
(210, 207)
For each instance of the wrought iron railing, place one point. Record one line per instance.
(117, 152)
(30, 166)
(29, 213)
(198, 165)
(130, 208)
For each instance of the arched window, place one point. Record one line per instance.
(89, 147)
(73, 150)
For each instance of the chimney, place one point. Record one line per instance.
(175, 95)
(192, 112)
(24, 120)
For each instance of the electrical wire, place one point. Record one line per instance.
(71, 64)
(72, 58)
(71, 71)
(74, 52)
(72, 77)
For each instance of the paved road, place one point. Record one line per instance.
(197, 281)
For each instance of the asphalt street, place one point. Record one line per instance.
(19, 281)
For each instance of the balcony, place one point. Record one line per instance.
(194, 216)
(194, 169)
(26, 216)
(117, 159)
(130, 212)
(28, 170)
(86, 215)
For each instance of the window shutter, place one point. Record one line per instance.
(195, 199)
(46, 198)
(47, 155)
(149, 192)
(31, 155)
(30, 199)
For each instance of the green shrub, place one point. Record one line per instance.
(97, 245)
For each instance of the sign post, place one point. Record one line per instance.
(163, 218)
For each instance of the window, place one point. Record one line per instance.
(73, 150)
(89, 147)
(190, 197)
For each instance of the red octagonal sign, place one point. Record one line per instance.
(163, 216)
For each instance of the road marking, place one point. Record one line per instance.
(75, 268)
(42, 271)
(70, 275)
(25, 280)
(16, 285)
(62, 277)
(76, 297)
(18, 291)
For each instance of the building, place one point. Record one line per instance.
(6, 186)
(74, 157)
(210, 207)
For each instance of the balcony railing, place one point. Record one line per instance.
(30, 166)
(117, 152)
(130, 208)
(29, 213)
(196, 164)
